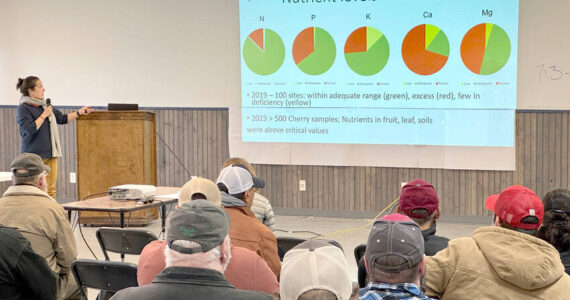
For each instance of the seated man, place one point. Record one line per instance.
(504, 261)
(40, 219)
(260, 207)
(238, 186)
(197, 252)
(315, 269)
(418, 200)
(394, 259)
(23, 273)
(246, 270)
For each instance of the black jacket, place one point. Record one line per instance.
(23, 273)
(565, 257)
(188, 283)
(432, 242)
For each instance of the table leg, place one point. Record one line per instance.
(122, 226)
(163, 208)
(69, 215)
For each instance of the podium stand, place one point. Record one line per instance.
(114, 148)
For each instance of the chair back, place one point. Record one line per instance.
(359, 252)
(123, 240)
(285, 243)
(108, 276)
(362, 275)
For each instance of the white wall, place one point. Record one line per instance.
(544, 27)
(176, 53)
(167, 53)
(185, 53)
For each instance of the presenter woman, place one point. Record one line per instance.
(37, 121)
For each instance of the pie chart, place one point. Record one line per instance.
(314, 50)
(366, 51)
(263, 51)
(425, 49)
(485, 49)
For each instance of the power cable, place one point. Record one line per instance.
(82, 236)
(318, 235)
(174, 154)
(390, 206)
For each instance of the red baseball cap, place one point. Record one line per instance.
(418, 194)
(516, 203)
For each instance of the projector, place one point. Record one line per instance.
(132, 192)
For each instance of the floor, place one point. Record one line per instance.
(348, 232)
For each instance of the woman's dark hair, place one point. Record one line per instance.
(24, 85)
(556, 225)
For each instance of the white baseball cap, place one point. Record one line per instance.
(199, 185)
(312, 265)
(238, 179)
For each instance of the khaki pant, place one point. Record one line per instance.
(51, 177)
(67, 288)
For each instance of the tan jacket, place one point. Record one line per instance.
(497, 263)
(43, 221)
(247, 232)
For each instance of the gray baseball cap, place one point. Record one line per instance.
(198, 221)
(395, 244)
(28, 164)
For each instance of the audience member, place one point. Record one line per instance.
(505, 261)
(556, 225)
(237, 186)
(418, 200)
(261, 207)
(23, 273)
(394, 259)
(197, 253)
(315, 269)
(39, 218)
(246, 270)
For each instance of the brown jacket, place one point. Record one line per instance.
(247, 232)
(497, 263)
(41, 220)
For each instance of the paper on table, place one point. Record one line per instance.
(5, 176)
(168, 196)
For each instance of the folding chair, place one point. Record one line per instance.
(358, 254)
(106, 276)
(123, 240)
(285, 244)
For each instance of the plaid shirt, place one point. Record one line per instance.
(379, 291)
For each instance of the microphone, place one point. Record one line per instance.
(48, 102)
